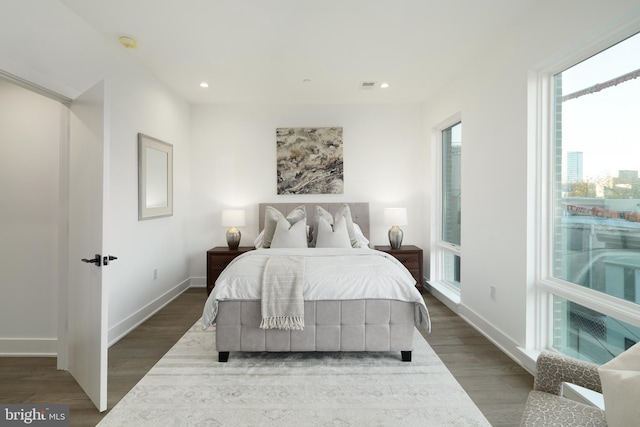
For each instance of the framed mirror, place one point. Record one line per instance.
(155, 178)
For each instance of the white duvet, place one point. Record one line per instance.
(330, 274)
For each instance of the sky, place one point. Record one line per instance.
(605, 125)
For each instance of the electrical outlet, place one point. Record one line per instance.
(492, 292)
(155, 273)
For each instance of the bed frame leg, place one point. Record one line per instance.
(223, 356)
(406, 356)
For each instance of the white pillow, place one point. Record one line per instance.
(345, 212)
(318, 213)
(620, 380)
(363, 242)
(271, 216)
(336, 237)
(289, 236)
(259, 240)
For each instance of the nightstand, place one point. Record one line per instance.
(217, 259)
(411, 257)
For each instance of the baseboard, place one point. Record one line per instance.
(122, 329)
(444, 295)
(489, 331)
(28, 347)
(48, 347)
(496, 336)
(198, 282)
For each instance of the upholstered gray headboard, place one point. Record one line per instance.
(359, 212)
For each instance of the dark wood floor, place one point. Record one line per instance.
(496, 384)
(36, 380)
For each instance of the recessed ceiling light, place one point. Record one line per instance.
(128, 42)
(384, 85)
(204, 84)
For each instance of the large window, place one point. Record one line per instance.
(595, 203)
(447, 252)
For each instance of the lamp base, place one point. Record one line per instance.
(395, 237)
(233, 238)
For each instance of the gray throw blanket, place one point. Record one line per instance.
(282, 299)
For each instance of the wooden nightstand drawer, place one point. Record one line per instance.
(411, 257)
(217, 260)
(220, 261)
(410, 261)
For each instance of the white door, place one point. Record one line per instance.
(88, 281)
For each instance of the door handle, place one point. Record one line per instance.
(105, 260)
(95, 260)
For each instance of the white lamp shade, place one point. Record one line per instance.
(233, 218)
(395, 216)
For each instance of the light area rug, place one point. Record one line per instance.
(189, 387)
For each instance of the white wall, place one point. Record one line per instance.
(233, 163)
(140, 104)
(61, 53)
(29, 172)
(491, 95)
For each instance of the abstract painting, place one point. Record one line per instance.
(310, 160)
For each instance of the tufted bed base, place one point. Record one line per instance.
(354, 325)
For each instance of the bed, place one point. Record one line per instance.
(348, 297)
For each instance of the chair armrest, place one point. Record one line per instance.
(553, 369)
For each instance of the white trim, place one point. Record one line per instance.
(50, 347)
(493, 334)
(28, 347)
(445, 293)
(527, 359)
(625, 311)
(63, 239)
(119, 331)
(538, 212)
(583, 395)
(198, 282)
(448, 247)
(33, 87)
(524, 358)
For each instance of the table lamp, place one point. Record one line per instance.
(233, 218)
(395, 217)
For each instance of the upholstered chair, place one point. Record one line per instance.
(545, 404)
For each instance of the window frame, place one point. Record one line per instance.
(542, 162)
(439, 247)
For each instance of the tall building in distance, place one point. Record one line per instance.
(574, 166)
(628, 175)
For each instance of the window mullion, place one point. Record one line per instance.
(603, 303)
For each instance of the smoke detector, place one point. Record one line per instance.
(128, 42)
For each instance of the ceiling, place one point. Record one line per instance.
(262, 51)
